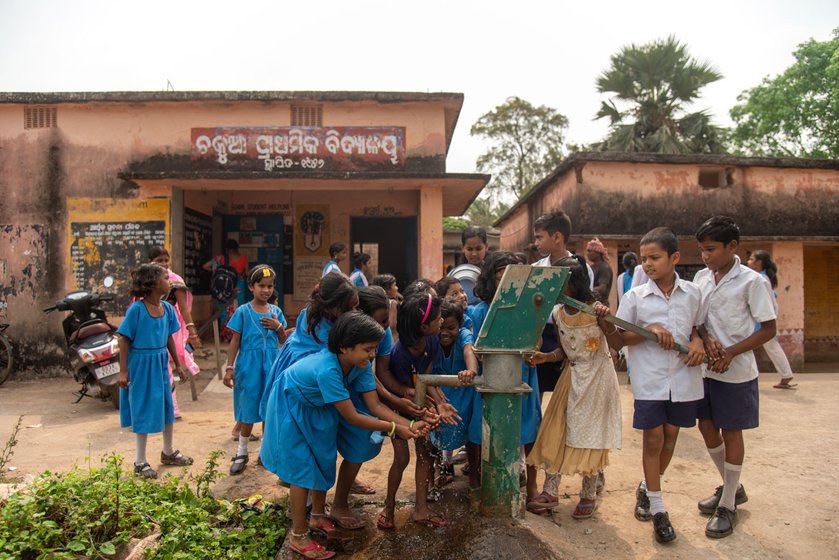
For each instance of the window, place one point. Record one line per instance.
(307, 115)
(40, 117)
(713, 178)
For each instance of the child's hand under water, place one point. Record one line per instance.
(431, 418)
(404, 432)
(421, 429)
(448, 414)
(409, 407)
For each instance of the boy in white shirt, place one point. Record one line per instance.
(667, 386)
(737, 298)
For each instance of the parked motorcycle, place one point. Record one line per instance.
(92, 345)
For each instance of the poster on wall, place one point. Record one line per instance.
(307, 273)
(198, 249)
(111, 237)
(312, 231)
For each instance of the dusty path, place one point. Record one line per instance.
(791, 472)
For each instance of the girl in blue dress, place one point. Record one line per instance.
(449, 287)
(258, 330)
(332, 297)
(301, 429)
(531, 405)
(361, 264)
(457, 358)
(357, 445)
(418, 324)
(145, 344)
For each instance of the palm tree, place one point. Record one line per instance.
(655, 82)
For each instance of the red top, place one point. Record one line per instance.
(240, 265)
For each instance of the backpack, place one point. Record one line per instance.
(223, 281)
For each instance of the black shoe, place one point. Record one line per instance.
(662, 528)
(709, 505)
(239, 462)
(721, 523)
(642, 503)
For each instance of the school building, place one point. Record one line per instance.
(90, 181)
(786, 206)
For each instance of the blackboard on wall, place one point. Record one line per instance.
(198, 249)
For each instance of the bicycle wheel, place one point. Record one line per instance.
(6, 360)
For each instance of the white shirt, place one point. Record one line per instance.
(639, 277)
(734, 306)
(547, 262)
(658, 374)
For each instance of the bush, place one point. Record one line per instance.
(90, 513)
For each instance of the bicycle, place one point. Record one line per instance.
(6, 358)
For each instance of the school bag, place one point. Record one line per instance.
(223, 281)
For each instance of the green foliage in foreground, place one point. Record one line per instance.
(90, 513)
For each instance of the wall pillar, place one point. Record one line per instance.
(176, 234)
(430, 234)
(789, 256)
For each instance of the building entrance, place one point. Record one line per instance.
(392, 242)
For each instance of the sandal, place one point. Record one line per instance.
(144, 471)
(347, 522)
(787, 385)
(385, 521)
(312, 550)
(537, 510)
(584, 511)
(175, 458)
(323, 527)
(434, 520)
(543, 500)
(359, 487)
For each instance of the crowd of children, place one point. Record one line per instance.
(342, 381)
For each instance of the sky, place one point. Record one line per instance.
(548, 52)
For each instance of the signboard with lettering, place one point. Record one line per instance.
(111, 237)
(300, 149)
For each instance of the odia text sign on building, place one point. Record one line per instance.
(300, 148)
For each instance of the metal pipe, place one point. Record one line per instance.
(422, 381)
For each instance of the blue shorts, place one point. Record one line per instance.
(652, 414)
(731, 406)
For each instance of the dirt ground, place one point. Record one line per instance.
(791, 475)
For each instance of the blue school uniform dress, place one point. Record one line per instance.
(301, 428)
(146, 404)
(355, 444)
(450, 437)
(357, 277)
(331, 266)
(258, 348)
(298, 345)
(531, 405)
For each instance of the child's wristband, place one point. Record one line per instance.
(411, 425)
(228, 366)
(392, 429)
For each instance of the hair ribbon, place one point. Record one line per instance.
(427, 310)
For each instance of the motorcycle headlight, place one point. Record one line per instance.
(113, 346)
(86, 356)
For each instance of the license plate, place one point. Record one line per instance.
(105, 371)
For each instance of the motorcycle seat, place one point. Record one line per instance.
(89, 330)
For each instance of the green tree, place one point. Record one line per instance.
(652, 87)
(526, 143)
(484, 212)
(795, 113)
(450, 222)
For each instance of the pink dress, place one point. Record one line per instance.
(181, 337)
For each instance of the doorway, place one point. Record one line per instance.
(394, 240)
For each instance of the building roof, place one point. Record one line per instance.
(452, 102)
(578, 159)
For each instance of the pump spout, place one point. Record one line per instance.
(423, 381)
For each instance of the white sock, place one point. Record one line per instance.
(656, 502)
(243, 445)
(731, 482)
(140, 441)
(551, 485)
(168, 437)
(718, 456)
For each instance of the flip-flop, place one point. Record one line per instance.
(434, 520)
(785, 386)
(324, 527)
(347, 522)
(385, 522)
(536, 510)
(312, 547)
(584, 511)
(361, 488)
(543, 500)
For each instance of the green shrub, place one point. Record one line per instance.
(90, 513)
